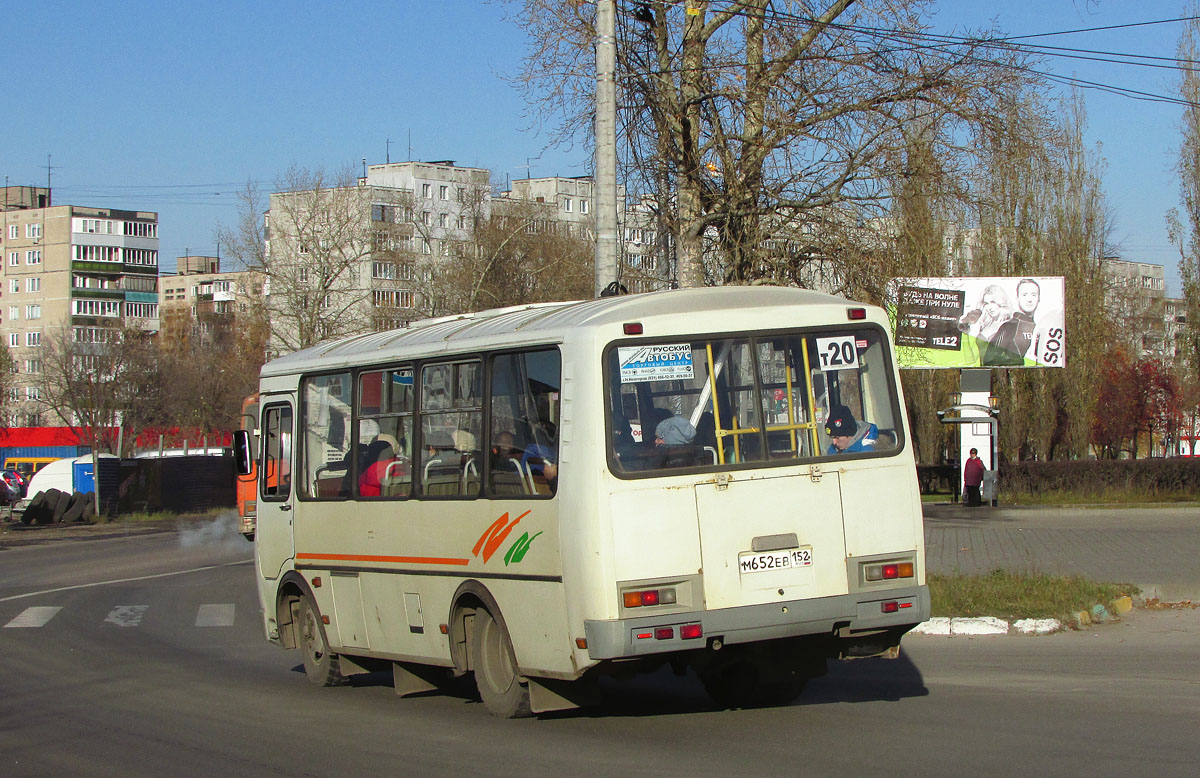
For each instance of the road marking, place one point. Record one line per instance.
(124, 580)
(127, 615)
(36, 616)
(215, 615)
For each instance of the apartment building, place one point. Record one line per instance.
(72, 269)
(1137, 300)
(340, 259)
(641, 252)
(202, 299)
(401, 214)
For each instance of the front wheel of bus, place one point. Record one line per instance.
(320, 665)
(504, 692)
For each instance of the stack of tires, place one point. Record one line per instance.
(54, 506)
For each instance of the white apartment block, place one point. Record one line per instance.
(74, 270)
(643, 265)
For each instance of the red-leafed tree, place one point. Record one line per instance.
(1136, 397)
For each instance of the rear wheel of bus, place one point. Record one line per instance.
(504, 692)
(320, 664)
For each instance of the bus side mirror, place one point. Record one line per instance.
(242, 458)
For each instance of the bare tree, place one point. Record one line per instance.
(210, 364)
(7, 384)
(104, 389)
(752, 117)
(324, 230)
(246, 241)
(1039, 209)
(515, 252)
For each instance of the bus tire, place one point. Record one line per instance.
(320, 664)
(505, 693)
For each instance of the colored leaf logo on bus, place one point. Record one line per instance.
(517, 552)
(497, 533)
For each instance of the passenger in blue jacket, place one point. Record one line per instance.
(848, 435)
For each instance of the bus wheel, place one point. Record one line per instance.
(504, 692)
(320, 665)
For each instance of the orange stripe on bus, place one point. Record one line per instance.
(418, 560)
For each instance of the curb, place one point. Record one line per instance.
(990, 625)
(985, 625)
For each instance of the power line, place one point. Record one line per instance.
(915, 40)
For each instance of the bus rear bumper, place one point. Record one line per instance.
(842, 616)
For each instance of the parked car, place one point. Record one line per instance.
(14, 487)
(11, 475)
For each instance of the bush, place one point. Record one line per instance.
(1167, 479)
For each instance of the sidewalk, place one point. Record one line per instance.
(1155, 548)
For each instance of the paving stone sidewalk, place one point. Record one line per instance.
(1156, 548)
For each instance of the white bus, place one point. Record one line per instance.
(545, 494)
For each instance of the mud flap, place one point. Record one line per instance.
(414, 679)
(548, 694)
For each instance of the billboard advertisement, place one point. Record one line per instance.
(979, 322)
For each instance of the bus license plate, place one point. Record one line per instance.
(751, 562)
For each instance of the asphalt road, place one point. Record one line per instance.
(168, 674)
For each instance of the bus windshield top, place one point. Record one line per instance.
(774, 395)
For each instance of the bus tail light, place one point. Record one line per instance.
(888, 571)
(664, 633)
(632, 328)
(647, 597)
(856, 314)
(691, 631)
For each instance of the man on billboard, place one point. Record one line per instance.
(1012, 341)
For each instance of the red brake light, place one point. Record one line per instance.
(632, 328)
(650, 597)
(891, 571)
(856, 314)
(664, 633)
(891, 607)
(691, 631)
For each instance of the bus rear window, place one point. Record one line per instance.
(723, 402)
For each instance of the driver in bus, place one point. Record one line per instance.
(848, 435)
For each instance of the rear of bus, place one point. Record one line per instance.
(745, 540)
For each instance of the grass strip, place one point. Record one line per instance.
(1010, 595)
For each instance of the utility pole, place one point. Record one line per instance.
(606, 144)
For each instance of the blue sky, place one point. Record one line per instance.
(169, 107)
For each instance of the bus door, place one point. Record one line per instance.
(772, 537)
(274, 544)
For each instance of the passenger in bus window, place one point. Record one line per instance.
(847, 435)
(674, 431)
(380, 455)
(502, 445)
(541, 455)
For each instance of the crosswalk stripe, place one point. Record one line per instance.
(214, 615)
(35, 616)
(127, 615)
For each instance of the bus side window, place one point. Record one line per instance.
(326, 434)
(451, 428)
(523, 439)
(276, 476)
